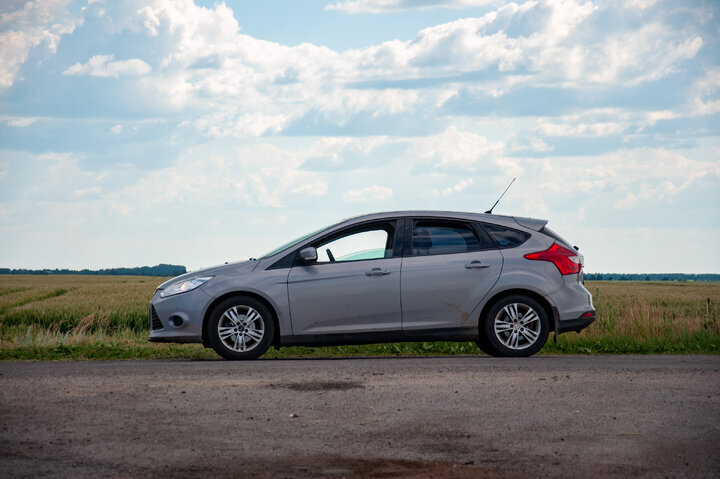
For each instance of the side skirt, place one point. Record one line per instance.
(419, 335)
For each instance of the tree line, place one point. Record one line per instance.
(651, 277)
(159, 270)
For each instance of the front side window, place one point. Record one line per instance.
(431, 237)
(368, 243)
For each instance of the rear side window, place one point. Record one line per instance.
(505, 237)
(430, 237)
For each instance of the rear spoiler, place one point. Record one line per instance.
(532, 223)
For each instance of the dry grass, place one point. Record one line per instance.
(113, 302)
(666, 316)
(650, 310)
(106, 316)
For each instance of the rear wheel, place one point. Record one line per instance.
(240, 328)
(515, 326)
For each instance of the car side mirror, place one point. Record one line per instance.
(308, 254)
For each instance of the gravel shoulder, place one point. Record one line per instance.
(549, 416)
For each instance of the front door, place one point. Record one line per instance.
(353, 287)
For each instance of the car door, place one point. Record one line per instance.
(448, 268)
(353, 287)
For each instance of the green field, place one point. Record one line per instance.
(105, 317)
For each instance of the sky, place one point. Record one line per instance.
(156, 131)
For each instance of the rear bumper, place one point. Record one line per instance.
(578, 324)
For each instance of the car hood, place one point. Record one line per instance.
(236, 267)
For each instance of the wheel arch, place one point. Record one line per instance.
(249, 294)
(549, 309)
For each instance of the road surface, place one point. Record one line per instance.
(548, 416)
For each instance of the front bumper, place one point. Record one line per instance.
(178, 318)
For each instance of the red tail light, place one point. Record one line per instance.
(566, 260)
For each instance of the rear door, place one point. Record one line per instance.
(353, 287)
(448, 268)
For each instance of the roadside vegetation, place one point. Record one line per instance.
(106, 317)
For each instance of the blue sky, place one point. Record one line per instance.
(140, 132)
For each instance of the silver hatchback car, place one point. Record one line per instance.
(504, 282)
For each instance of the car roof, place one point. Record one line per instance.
(531, 223)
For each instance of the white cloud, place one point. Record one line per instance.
(116, 130)
(706, 87)
(628, 176)
(383, 6)
(579, 130)
(641, 4)
(21, 122)
(36, 23)
(93, 190)
(242, 86)
(457, 150)
(103, 66)
(457, 188)
(262, 175)
(368, 194)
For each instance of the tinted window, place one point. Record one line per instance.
(505, 237)
(371, 242)
(434, 237)
(556, 237)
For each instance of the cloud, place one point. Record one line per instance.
(458, 151)
(35, 24)
(368, 194)
(103, 66)
(240, 86)
(707, 101)
(459, 187)
(624, 178)
(580, 130)
(262, 175)
(21, 122)
(385, 6)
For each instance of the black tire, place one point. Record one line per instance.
(242, 319)
(508, 328)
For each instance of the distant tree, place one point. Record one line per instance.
(158, 270)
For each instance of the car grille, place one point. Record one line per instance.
(154, 319)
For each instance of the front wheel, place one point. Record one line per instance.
(515, 326)
(240, 328)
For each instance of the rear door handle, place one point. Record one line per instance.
(476, 265)
(377, 272)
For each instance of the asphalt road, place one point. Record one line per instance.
(566, 416)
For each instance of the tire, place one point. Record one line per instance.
(240, 328)
(515, 326)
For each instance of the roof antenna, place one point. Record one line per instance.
(489, 212)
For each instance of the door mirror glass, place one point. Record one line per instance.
(308, 254)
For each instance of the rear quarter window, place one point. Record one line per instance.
(547, 231)
(505, 237)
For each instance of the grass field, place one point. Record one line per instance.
(105, 317)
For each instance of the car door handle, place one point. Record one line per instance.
(476, 265)
(377, 272)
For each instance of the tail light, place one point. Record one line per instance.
(567, 261)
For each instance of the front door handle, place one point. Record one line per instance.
(377, 272)
(476, 265)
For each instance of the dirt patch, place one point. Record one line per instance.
(320, 386)
(350, 468)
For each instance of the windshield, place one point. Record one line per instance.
(295, 242)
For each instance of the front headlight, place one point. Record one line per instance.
(183, 286)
